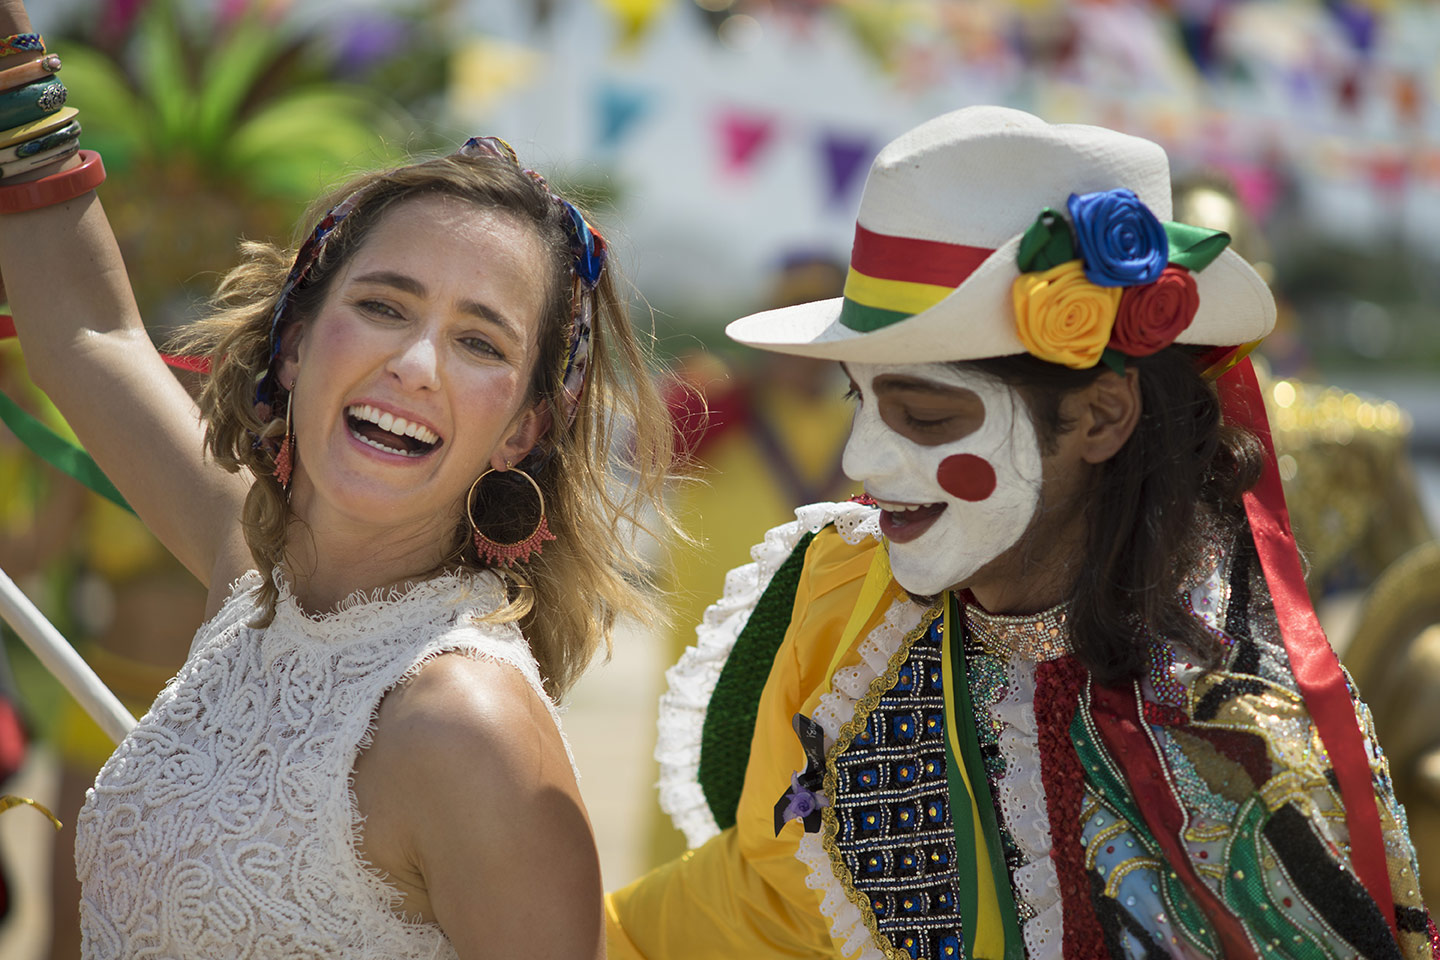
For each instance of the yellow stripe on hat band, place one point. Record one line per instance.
(898, 295)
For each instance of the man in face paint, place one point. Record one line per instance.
(1032, 697)
(952, 461)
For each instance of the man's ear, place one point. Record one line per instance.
(1109, 410)
(525, 432)
(289, 357)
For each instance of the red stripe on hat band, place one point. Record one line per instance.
(914, 261)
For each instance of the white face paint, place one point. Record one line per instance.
(950, 508)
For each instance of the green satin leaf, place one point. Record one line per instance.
(1194, 248)
(57, 451)
(1113, 359)
(1047, 243)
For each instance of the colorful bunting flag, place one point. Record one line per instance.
(845, 155)
(634, 18)
(486, 69)
(618, 108)
(742, 136)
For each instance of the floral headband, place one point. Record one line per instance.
(588, 252)
(588, 255)
(1116, 284)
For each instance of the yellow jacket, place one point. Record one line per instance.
(743, 892)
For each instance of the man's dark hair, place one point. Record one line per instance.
(1141, 509)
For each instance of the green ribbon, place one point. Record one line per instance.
(961, 815)
(1194, 248)
(1047, 243)
(57, 451)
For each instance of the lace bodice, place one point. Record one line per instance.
(224, 825)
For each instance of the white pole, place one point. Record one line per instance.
(61, 660)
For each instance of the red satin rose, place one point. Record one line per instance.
(1152, 316)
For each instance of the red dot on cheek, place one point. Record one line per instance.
(966, 477)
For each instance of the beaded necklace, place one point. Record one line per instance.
(1035, 636)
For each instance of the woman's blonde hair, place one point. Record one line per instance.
(601, 475)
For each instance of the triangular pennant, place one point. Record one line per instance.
(634, 18)
(486, 69)
(742, 135)
(619, 107)
(845, 155)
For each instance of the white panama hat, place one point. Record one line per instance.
(944, 209)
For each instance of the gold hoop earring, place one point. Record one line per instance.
(284, 457)
(508, 554)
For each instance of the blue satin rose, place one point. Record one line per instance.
(1121, 242)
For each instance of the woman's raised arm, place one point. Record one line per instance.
(86, 347)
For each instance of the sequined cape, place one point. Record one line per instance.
(1190, 814)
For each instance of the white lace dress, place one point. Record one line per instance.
(224, 825)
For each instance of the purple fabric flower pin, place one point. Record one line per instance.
(805, 798)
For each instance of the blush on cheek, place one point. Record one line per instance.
(966, 477)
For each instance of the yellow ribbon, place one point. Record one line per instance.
(9, 800)
(872, 594)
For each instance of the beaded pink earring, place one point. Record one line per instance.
(284, 457)
(508, 554)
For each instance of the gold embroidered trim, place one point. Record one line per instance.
(1287, 786)
(849, 730)
(1092, 849)
(1206, 834)
(1212, 870)
(1124, 869)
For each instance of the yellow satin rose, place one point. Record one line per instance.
(1064, 318)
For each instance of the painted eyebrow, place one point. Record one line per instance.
(408, 284)
(891, 383)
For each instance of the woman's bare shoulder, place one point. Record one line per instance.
(479, 709)
(470, 800)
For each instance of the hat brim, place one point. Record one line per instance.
(1235, 307)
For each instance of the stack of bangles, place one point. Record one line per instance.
(37, 130)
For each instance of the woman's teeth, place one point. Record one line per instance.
(381, 446)
(393, 424)
(892, 507)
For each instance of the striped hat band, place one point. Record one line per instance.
(893, 278)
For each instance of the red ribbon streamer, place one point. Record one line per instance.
(1316, 668)
(178, 361)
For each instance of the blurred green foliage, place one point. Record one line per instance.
(216, 130)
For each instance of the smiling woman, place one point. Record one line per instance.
(401, 486)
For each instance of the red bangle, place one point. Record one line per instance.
(56, 188)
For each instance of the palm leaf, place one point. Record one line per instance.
(116, 121)
(230, 76)
(163, 78)
(298, 144)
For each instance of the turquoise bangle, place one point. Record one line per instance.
(46, 141)
(31, 102)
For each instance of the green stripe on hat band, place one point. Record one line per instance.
(863, 319)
